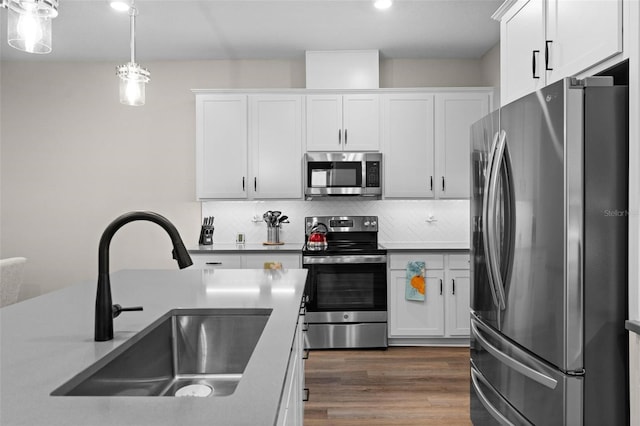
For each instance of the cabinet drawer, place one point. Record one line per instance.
(432, 261)
(216, 261)
(459, 261)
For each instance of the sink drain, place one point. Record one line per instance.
(195, 390)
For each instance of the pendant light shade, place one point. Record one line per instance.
(132, 83)
(133, 78)
(29, 24)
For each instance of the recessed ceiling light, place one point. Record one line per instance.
(382, 4)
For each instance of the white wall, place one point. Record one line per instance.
(72, 158)
(490, 69)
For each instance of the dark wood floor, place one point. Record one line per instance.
(398, 386)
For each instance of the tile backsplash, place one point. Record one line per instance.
(399, 220)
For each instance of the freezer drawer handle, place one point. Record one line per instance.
(544, 380)
(483, 399)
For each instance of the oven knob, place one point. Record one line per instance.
(366, 223)
(374, 223)
(346, 316)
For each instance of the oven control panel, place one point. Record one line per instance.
(343, 223)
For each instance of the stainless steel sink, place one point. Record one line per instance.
(194, 352)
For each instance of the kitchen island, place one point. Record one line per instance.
(49, 339)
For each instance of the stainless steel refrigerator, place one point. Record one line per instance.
(549, 258)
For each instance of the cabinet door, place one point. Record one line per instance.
(221, 146)
(324, 123)
(581, 34)
(216, 261)
(408, 141)
(458, 288)
(409, 318)
(522, 35)
(276, 146)
(361, 122)
(455, 113)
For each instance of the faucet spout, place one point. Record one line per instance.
(105, 311)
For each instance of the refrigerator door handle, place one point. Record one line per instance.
(492, 234)
(485, 217)
(513, 363)
(485, 401)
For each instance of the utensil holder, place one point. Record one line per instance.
(273, 234)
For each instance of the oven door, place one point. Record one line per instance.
(346, 283)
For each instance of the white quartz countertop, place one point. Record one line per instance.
(49, 339)
(246, 248)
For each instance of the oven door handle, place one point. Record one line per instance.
(344, 259)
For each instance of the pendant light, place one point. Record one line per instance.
(29, 24)
(133, 78)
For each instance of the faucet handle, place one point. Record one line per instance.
(117, 309)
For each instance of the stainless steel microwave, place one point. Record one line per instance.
(343, 173)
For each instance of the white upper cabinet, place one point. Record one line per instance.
(455, 113)
(248, 146)
(542, 41)
(408, 135)
(581, 34)
(343, 122)
(522, 50)
(426, 142)
(221, 146)
(275, 134)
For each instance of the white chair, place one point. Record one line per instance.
(11, 275)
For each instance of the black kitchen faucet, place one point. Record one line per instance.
(105, 311)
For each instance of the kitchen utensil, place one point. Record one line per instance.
(283, 219)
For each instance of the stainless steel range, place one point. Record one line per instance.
(346, 286)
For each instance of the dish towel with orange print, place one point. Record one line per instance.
(416, 283)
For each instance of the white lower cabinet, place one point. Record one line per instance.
(291, 411)
(245, 261)
(444, 314)
(458, 284)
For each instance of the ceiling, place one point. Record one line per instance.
(89, 30)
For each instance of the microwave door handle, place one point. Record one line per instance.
(485, 217)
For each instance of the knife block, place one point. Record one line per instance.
(206, 235)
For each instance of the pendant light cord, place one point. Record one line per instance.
(132, 13)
